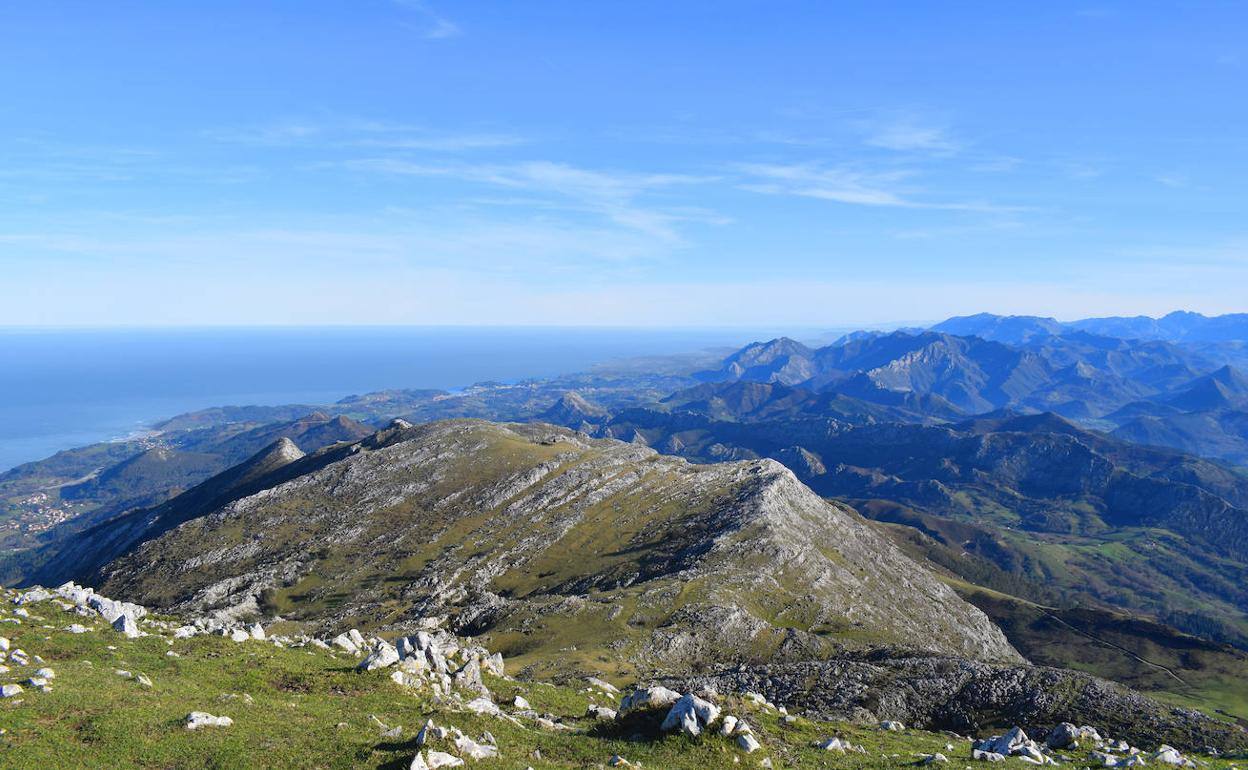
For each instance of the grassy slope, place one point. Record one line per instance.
(1142, 570)
(308, 708)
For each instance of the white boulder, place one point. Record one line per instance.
(197, 719)
(470, 749)
(346, 643)
(381, 657)
(483, 705)
(603, 685)
(126, 625)
(436, 759)
(690, 715)
(649, 698)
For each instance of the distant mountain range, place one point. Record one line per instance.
(1190, 396)
(1179, 326)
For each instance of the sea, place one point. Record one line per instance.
(65, 388)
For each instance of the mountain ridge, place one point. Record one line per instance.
(740, 532)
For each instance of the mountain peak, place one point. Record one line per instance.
(1011, 329)
(572, 410)
(782, 359)
(1226, 387)
(279, 453)
(1229, 375)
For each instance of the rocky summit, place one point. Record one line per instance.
(558, 549)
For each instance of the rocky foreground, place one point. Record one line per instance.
(93, 682)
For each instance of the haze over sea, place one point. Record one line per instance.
(65, 388)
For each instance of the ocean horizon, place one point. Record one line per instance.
(66, 387)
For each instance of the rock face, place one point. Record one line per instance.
(969, 697)
(478, 522)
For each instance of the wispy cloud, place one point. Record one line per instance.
(958, 231)
(432, 25)
(353, 132)
(1081, 169)
(847, 185)
(1176, 180)
(444, 142)
(44, 170)
(833, 184)
(996, 164)
(910, 135)
(613, 195)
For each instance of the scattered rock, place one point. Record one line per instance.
(649, 698)
(603, 685)
(470, 749)
(384, 655)
(835, 744)
(690, 715)
(198, 719)
(1067, 735)
(436, 759)
(126, 625)
(430, 732)
(483, 706)
(1168, 755)
(345, 643)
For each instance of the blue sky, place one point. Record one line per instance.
(619, 163)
